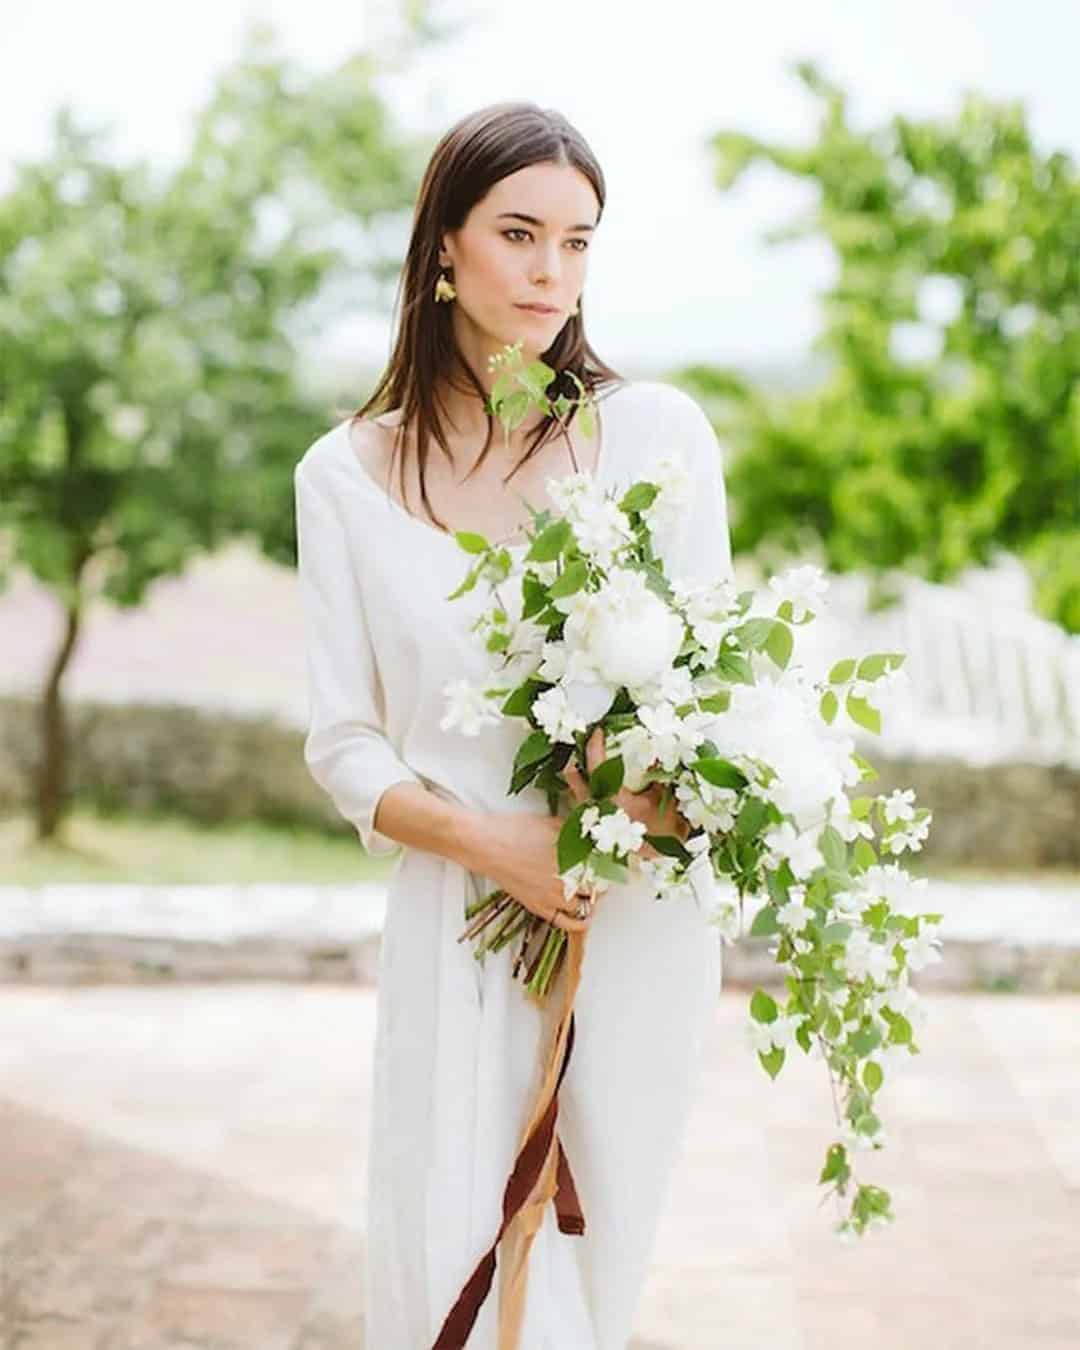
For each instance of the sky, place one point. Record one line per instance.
(678, 271)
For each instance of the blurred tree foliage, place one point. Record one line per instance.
(948, 425)
(150, 401)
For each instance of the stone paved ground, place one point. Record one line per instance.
(1017, 934)
(182, 1166)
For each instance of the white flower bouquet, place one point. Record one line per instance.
(692, 686)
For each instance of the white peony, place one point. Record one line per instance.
(632, 635)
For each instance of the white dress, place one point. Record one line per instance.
(458, 1045)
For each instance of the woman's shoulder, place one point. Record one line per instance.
(324, 460)
(657, 416)
(651, 398)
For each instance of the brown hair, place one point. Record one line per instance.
(471, 157)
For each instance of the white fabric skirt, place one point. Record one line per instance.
(458, 1055)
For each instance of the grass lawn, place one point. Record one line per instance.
(168, 849)
(172, 849)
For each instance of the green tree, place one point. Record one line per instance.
(150, 403)
(963, 235)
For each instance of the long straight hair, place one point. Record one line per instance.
(471, 157)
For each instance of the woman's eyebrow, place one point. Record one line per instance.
(520, 215)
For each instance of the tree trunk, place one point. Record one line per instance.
(52, 766)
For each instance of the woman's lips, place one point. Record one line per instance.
(539, 309)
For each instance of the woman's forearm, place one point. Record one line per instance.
(418, 818)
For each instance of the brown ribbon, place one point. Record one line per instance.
(541, 1172)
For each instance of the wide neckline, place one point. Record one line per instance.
(510, 541)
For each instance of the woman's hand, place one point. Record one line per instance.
(642, 806)
(518, 853)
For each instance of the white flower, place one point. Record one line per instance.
(707, 806)
(675, 685)
(804, 586)
(911, 838)
(923, 950)
(863, 956)
(672, 477)
(899, 805)
(800, 850)
(557, 715)
(468, 709)
(615, 832)
(601, 530)
(778, 1034)
(553, 665)
(888, 882)
(794, 915)
(674, 739)
(581, 877)
(633, 635)
(777, 722)
(589, 697)
(846, 825)
(635, 745)
(570, 491)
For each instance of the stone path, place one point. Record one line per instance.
(1020, 935)
(183, 1166)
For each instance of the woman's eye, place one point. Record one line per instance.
(517, 230)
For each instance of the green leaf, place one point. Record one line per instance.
(772, 1061)
(670, 846)
(607, 778)
(765, 922)
(842, 671)
(550, 543)
(609, 868)
(836, 932)
(865, 1039)
(572, 847)
(829, 705)
(875, 665)
(533, 595)
(719, 772)
(833, 848)
(864, 853)
(836, 1164)
(639, 498)
(755, 633)
(752, 816)
(573, 577)
(520, 700)
(467, 584)
(735, 666)
(532, 749)
(763, 1007)
(780, 644)
(873, 1075)
(863, 713)
(497, 641)
(470, 542)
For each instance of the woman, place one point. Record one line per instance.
(507, 211)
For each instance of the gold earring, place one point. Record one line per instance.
(444, 288)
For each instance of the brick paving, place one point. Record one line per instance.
(183, 1166)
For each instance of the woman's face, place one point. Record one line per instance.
(501, 261)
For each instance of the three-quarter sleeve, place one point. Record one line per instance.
(704, 551)
(346, 749)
